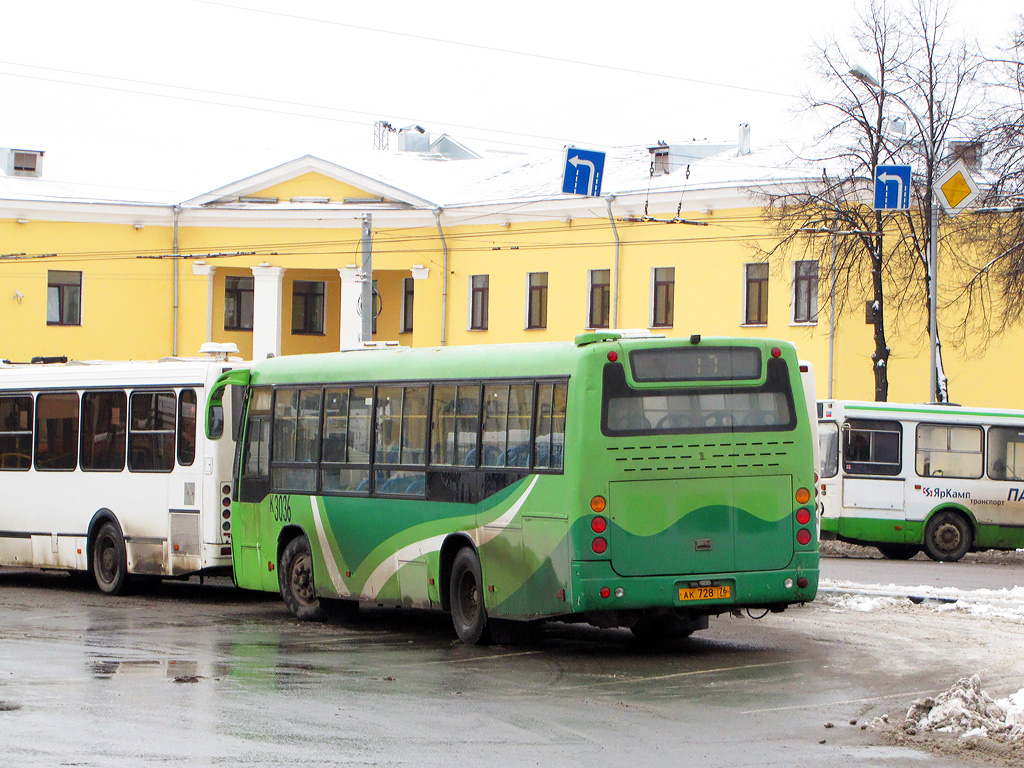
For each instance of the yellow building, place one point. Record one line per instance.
(465, 250)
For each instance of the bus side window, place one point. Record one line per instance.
(57, 431)
(1006, 453)
(872, 447)
(187, 427)
(151, 432)
(104, 423)
(16, 432)
(254, 478)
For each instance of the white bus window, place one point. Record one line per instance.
(57, 431)
(104, 424)
(16, 432)
(871, 447)
(187, 427)
(151, 434)
(828, 442)
(1006, 453)
(948, 451)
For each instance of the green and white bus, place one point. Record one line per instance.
(637, 482)
(906, 478)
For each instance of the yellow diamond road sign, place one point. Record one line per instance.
(956, 189)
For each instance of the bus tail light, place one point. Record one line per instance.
(803, 537)
(598, 504)
(599, 545)
(605, 592)
(598, 524)
(803, 496)
(225, 503)
(803, 516)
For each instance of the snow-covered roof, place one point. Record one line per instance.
(418, 180)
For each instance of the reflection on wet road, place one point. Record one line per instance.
(196, 676)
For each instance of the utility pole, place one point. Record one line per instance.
(366, 292)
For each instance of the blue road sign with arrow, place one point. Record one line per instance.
(583, 171)
(892, 187)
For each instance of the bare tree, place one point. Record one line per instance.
(899, 109)
(994, 294)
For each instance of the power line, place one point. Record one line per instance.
(493, 49)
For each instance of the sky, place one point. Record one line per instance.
(194, 94)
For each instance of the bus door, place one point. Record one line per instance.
(872, 464)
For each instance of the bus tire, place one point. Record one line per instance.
(893, 551)
(465, 590)
(295, 578)
(110, 560)
(947, 537)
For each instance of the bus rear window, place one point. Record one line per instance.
(763, 408)
(695, 364)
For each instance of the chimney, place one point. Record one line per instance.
(413, 138)
(744, 141)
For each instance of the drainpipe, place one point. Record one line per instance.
(444, 276)
(174, 341)
(615, 278)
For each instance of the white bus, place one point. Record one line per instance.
(103, 470)
(905, 478)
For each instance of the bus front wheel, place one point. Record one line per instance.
(947, 537)
(295, 577)
(467, 598)
(110, 560)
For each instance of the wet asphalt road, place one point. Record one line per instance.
(207, 675)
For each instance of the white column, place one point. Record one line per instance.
(351, 323)
(266, 311)
(199, 269)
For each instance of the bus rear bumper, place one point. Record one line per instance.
(598, 588)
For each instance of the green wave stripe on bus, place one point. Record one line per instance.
(368, 554)
(769, 498)
(401, 522)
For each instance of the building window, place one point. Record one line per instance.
(63, 298)
(600, 298)
(805, 291)
(408, 294)
(238, 303)
(537, 300)
(662, 295)
(308, 307)
(478, 302)
(755, 294)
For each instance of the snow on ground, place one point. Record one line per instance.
(965, 709)
(987, 603)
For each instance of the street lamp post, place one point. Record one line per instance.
(932, 254)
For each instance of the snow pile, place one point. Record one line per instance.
(967, 710)
(1007, 604)
(860, 603)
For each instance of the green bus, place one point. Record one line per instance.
(628, 482)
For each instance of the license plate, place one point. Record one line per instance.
(704, 593)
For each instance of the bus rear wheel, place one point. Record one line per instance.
(295, 578)
(466, 596)
(898, 551)
(110, 560)
(947, 537)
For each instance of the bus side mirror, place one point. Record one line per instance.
(215, 422)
